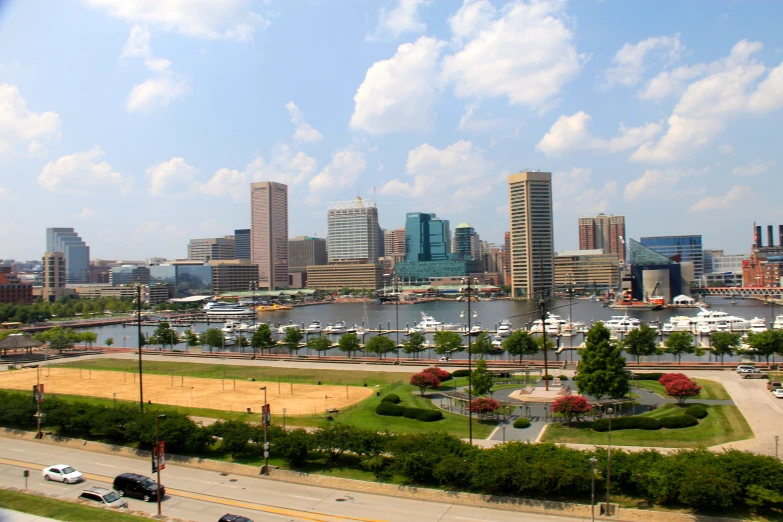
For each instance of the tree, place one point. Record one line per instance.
(88, 338)
(164, 334)
(640, 342)
(380, 345)
(212, 337)
(484, 407)
(447, 342)
(482, 379)
(666, 378)
(679, 343)
(262, 338)
(235, 435)
(481, 346)
(440, 373)
(191, 338)
(724, 343)
(571, 406)
(334, 440)
(294, 446)
(414, 344)
(109, 341)
(544, 343)
(682, 389)
(319, 344)
(602, 368)
(58, 338)
(349, 343)
(424, 380)
(766, 343)
(242, 341)
(520, 343)
(292, 339)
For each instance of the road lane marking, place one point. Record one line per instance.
(290, 512)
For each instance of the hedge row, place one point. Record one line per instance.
(696, 410)
(627, 423)
(647, 376)
(679, 421)
(521, 423)
(390, 409)
(392, 398)
(460, 373)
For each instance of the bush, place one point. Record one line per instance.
(679, 421)
(392, 398)
(389, 409)
(696, 410)
(441, 374)
(671, 377)
(647, 376)
(627, 423)
(563, 377)
(521, 423)
(460, 373)
(547, 377)
(422, 414)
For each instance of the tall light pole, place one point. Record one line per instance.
(468, 281)
(158, 453)
(609, 460)
(138, 332)
(593, 462)
(253, 286)
(265, 414)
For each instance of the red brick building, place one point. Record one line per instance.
(12, 290)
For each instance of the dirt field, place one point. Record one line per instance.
(218, 394)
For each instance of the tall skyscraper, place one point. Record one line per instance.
(463, 241)
(304, 251)
(427, 237)
(603, 232)
(242, 243)
(532, 234)
(76, 251)
(353, 231)
(688, 248)
(53, 276)
(507, 258)
(212, 249)
(394, 241)
(269, 233)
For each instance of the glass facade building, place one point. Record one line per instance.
(187, 279)
(129, 274)
(242, 243)
(688, 248)
(77, 253)
(427, 238)
(354, 234)
(424, 270)
(463, 241)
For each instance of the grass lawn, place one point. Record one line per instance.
(260, 373)
(710, 390)
(60, 510)
(724, 424)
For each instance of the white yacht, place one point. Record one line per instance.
(415, 329)
(622, 323)
(497, 341)
(337, 328)
(552, 324)
(429, 324)
(778, 324)
(476, 329)
(677, 323)
(218, 309)
(281, 329)
(315, 327)
(705, 329)
(229, 340)
(504, 328)
(716, 317)
(758, 325)
(359, 330)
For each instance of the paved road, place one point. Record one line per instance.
(202, 495)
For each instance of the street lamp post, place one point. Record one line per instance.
(160, 417)
(470, 362)
(593, 462)
(253, 286)
(264, 417)
(609, 460)
(138, 331)
(396, 281)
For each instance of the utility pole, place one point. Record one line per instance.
(138, 328)
(542, 307)
(265, 415)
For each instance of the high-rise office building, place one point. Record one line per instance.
(507, 258)
(353, 231)
(603, 232)
(304, 251)
(129, 274)
(212, 249)
(53, 276)
(463, 241)
(242, 243)
(77, 253)
(394, 241)
(427, 237)
(679, 248)
(269, 233)
(532, 234)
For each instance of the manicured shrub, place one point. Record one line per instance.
(390, 409)
(627, 423)
(424, 380)
(671, 377)
(679, 421)
(563, 377)
(682, 389)
(441, 374)
(696, 410)
(647, 376)
(521, 423)
(547, 377)
(484, 407)
(422, 414)
(392, 398)
(571, 406)
(460, 373)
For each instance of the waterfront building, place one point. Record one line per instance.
(335, 276)
(269, 233)
(54, 280)
(651, 273)
(394, 241)
(464, 241)
(128, 275)
(708, 257)
(532, 234)
(233, 275)
(76, 251)
(427, 238)
(353, 231)
(242, 243)
(212, 249)
(424, 270)
(187, 278)
(304, 251)
(764, 266)
(679, 248)
(12, 289)
(603, 232)
(589, 271)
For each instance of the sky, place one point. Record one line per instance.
(141, 124)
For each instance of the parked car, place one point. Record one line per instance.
(778, 393)
(444, 359)
(753, 374)
(742, 367)
(233, 518)
(103, 496)
(773, 385)
(138, 486)
(62, 473)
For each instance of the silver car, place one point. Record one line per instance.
(62, 473)
(104, 496)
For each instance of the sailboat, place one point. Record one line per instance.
(362, 330)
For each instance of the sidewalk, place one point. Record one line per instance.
(6, 515)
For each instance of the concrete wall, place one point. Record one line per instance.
(653, 277)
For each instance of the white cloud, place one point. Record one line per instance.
(18, 125)
(403, 18)
(138, 46)
(304, 132)
(572, 192)
(171, 178)
(570, 134)
(523, 51)
(702, 112)
(84, 214)
(670, 83)
(725, 149)
(728, 200)
(629, 61)
(468, 122)
(342, 172)
(754, 169)
(230, 19)
(654, 183)
(398, 94)
(82, 172)
(5, 194)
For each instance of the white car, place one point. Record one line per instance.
(778, 393)
(62, 473)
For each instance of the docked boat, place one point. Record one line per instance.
(758, 325)
(229, 340)
(429, 324)
(218, 309)
(314, 327)
(497, 341)
(778, 324)
(622, 323)
(228, 326)
(281, 329)
(415, 329)
(273, 308)
(504, 328)
(552, 325)
(337, 328)
(717, 318)
(476, 329)
(677, 323)
(705, 329)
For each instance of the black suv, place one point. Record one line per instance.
(233, 518)
(138, 486)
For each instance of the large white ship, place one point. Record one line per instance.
(218, 309)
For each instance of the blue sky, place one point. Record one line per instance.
(141, 124)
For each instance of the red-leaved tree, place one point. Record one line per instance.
(484, 407)
(666, 378)
(440, 373)
(683, 389)
(571, 406)
(424, 380)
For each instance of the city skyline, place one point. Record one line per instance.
(144, 144)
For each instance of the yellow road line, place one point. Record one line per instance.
(306, 515)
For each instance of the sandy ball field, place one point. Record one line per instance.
(217, 394)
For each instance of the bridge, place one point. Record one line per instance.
(739, 291)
